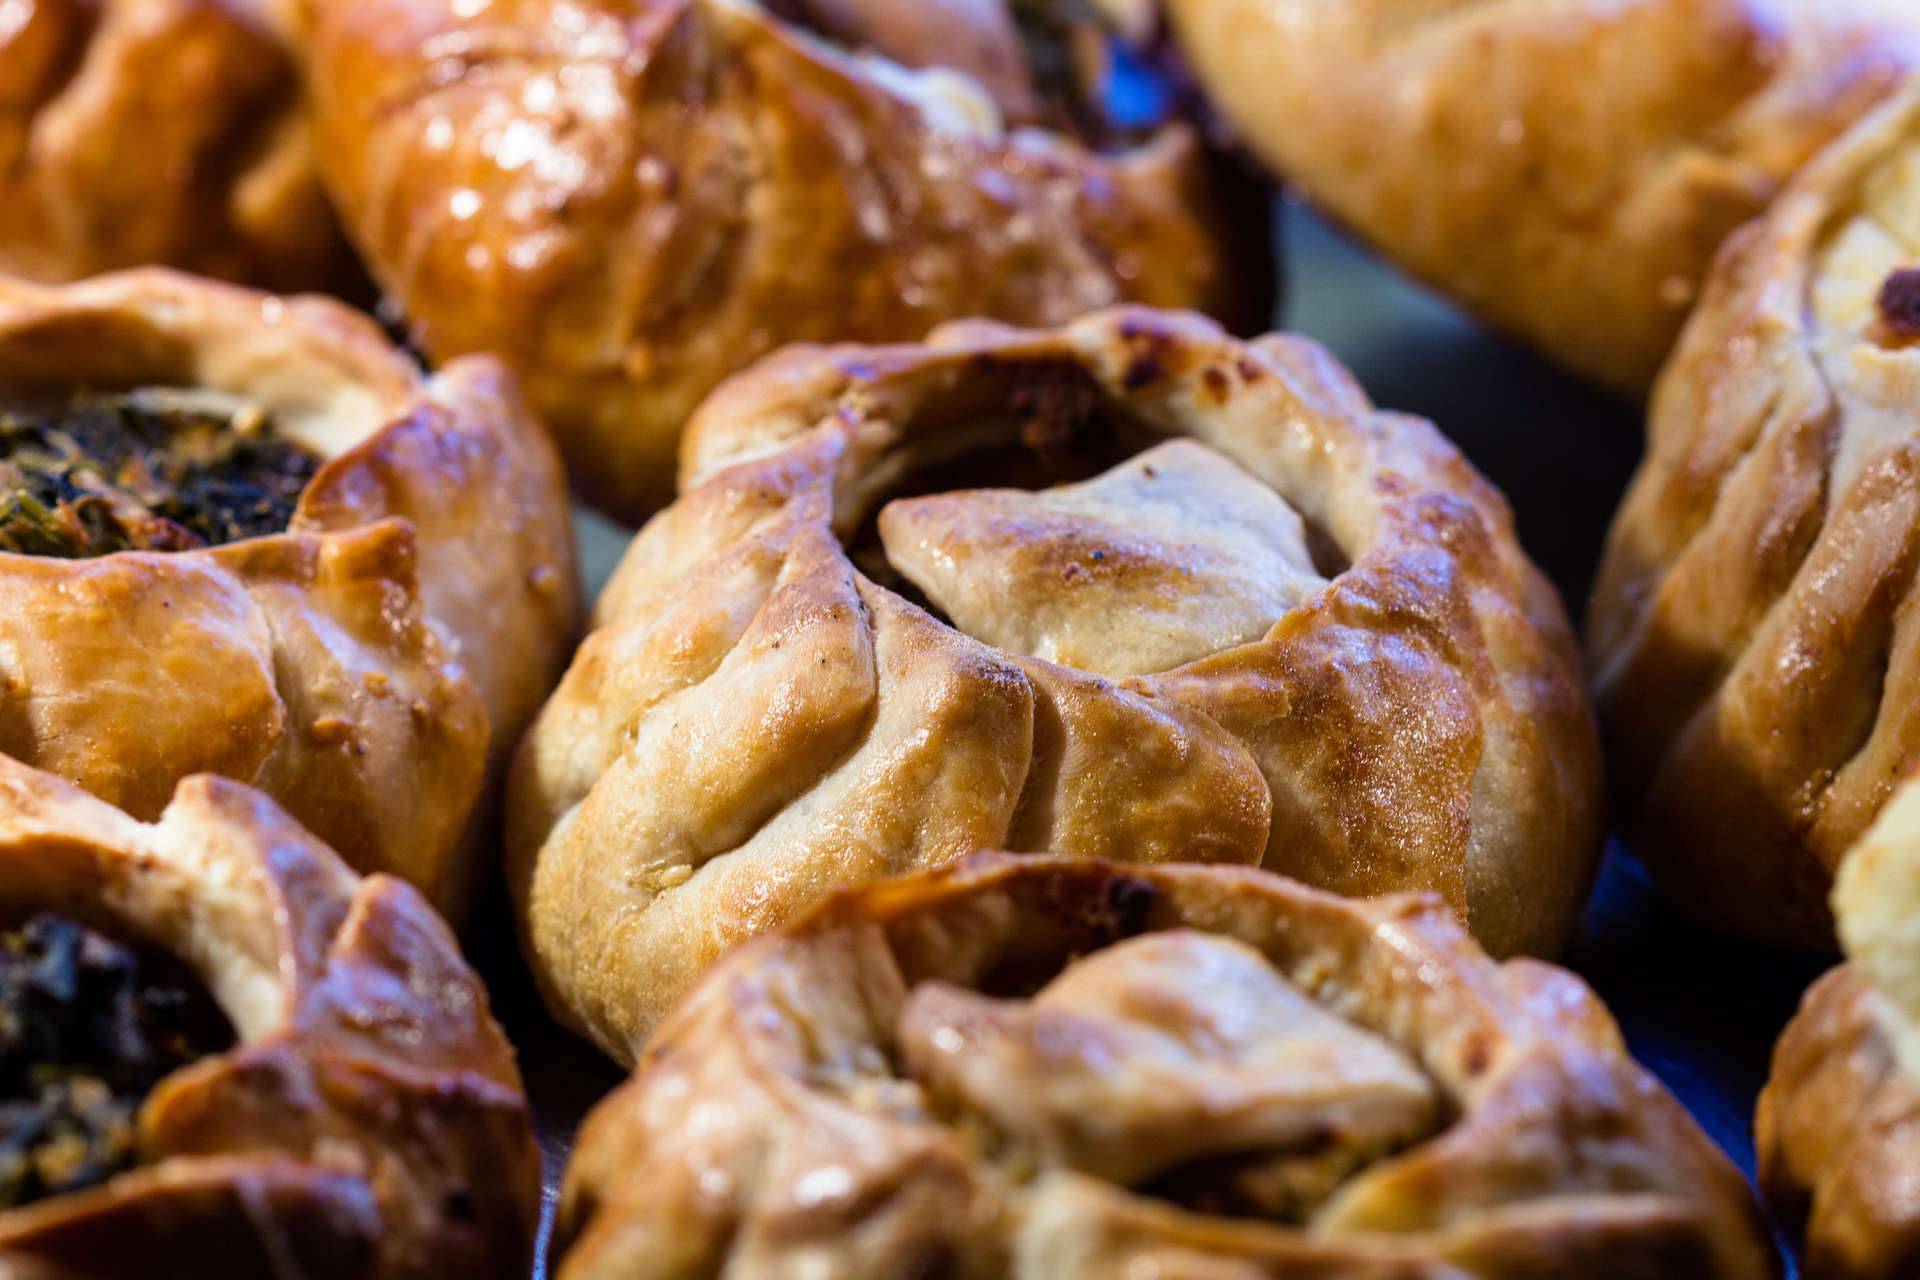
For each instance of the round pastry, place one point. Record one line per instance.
(1752, 634)
(1255, 621)
(1015, 1068)
(632, 200)
(1566, 168)
(241, 534)
(225, 1054)
(159, 131)
(1839, 1122)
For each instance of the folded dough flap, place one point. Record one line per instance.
(1876, 903)
(1179, 1062)
(1173, 555)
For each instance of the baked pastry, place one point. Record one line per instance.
(1754, 655)
(1053, 1068)
(160, 131)
(241, 534)
(1839, 1122)
(1293, 631)
(225, 1054)
(1566, 168)
(630, 201)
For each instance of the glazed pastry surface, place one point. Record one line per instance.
(1565, 168)
(1838, 1128)
(1129, 589)
(1751, 635)
(161, 132)
(630, 202)
(1039, 1067)
(368, 1118)
(371, 664)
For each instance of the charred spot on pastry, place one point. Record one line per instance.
(144, 471)
(88, 1026)
(1898, 306)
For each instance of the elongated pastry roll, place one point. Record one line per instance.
(632, 201)
(1049, 1069)
(1565, 168)
(1130, 589)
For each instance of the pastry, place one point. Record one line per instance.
(1839, 1122)
(225, 1054)
(241, 534)
(1254, 621)
(630, 201)
(160, 131)
(1050, 1069)
(1565, 168)
(1753, 634)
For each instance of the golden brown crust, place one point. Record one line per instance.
(371, 1112)
(771, 1119)
(756, 720)
(632, 201)
(168, 132)
(372, 666)
(1838, 1132)
(1753, 645)
(1566, 168)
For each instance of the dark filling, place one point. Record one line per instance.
(1899, 305)
(1052, 427)
(88, 1026)
(143, 472)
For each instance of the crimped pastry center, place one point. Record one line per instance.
(1179, 1063)
(1171, 556)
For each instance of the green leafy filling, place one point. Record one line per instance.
(144, 472)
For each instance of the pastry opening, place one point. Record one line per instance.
(89, 1025)
(1035, 428)
(1033, 512)
(148, 469)
(1093, 1033)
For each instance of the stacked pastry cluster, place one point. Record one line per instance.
(1282, 749)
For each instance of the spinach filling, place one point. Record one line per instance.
(144, 471)
(88, 1026)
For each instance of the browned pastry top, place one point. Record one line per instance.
(137, 132)
(368, 1123)
(1755, 661)
(368, 666)
(1564, 167)
(1046, 1069)
(1275, 626)
(631, 201)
